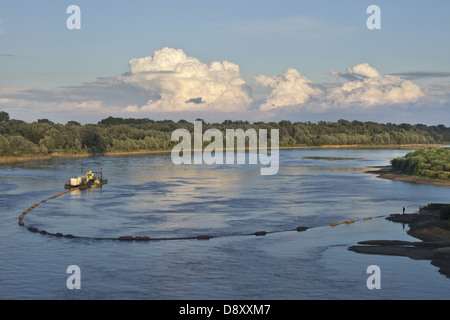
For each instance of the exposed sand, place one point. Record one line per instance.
(11, 159)
(385, 172)
(426, 226)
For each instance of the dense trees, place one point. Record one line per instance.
(113, 134)
(426, 162)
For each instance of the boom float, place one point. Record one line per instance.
(95, 179)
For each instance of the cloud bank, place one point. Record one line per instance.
(171, 83)
(179, 83)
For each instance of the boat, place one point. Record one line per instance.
(88, 180)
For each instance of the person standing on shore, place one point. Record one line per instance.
(403, 210)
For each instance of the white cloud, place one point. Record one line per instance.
(184, 83)
(364, 88)
(289, 89)
(369, 89)
(171, 84)
(364, 70)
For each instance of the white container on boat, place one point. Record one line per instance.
(74, 182)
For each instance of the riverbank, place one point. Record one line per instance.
(19, 159)
(386, 172)
(427, 226)
(12, 160)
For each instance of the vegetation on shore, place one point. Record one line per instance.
(427, 162)
(115, 135)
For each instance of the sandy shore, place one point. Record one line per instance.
(426, 226)
(9, 160)
(385, 172)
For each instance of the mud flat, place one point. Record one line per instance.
(427, 226)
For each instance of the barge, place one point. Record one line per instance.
(88, 180)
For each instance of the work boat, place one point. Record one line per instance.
(86, 181)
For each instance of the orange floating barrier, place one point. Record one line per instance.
(126, 238)
(333, 224)
(349, 221)
(260, 233)
(203, 237)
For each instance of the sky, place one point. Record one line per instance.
(246, 60)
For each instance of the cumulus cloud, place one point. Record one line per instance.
(364, 70)
(170, 83)
(368, 88)
(288, 89)
(182, 83)
(365, 87)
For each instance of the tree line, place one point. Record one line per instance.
(113, 134)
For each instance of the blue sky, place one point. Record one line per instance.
(296, 60)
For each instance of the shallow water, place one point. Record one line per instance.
(147, 195)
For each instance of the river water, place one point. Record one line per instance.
(147, 195)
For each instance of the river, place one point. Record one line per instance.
(147, 195)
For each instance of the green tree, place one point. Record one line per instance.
(4, 117)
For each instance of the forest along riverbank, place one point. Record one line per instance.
(431, 225)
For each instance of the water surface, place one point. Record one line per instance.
(147, 195)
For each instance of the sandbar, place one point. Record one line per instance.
(426, 225)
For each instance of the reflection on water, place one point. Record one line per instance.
(149, 196)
